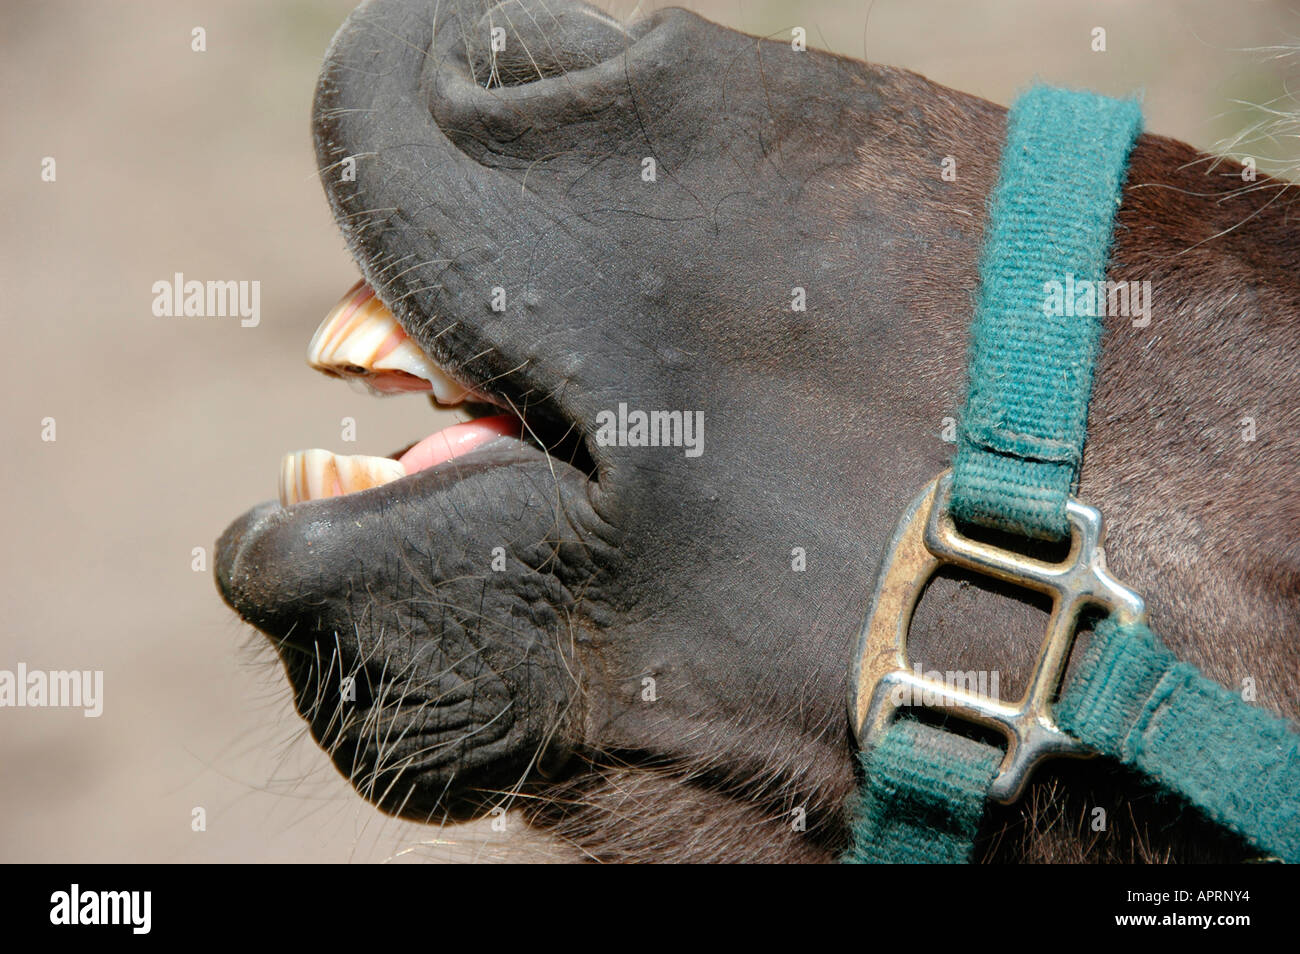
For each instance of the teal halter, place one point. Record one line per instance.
(1019, 450)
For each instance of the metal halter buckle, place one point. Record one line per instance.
(927, 538)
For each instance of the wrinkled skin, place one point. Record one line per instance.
(775, 169)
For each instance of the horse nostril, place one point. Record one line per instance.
(522, 41)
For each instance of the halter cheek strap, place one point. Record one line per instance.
(1050, 220)
(1019, 450)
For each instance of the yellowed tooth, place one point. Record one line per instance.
(361, 340)
(315, 474)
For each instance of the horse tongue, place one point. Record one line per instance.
(457, 440)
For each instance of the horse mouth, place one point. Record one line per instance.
(415, 696)
(361, 342)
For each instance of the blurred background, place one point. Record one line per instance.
(170, 160)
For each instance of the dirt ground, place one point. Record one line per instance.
(170, 160)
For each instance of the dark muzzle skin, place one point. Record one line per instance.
(454, 675)
(660, 665)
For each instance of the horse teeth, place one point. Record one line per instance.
(315, 474)
(360, 340)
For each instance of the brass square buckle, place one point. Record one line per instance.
(927, 538)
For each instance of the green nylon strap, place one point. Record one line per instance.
(1032, 351)
(1018, 455)
(1134, 701)
(923, 798)
(1022, 431)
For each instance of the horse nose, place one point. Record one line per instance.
(522, 41)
